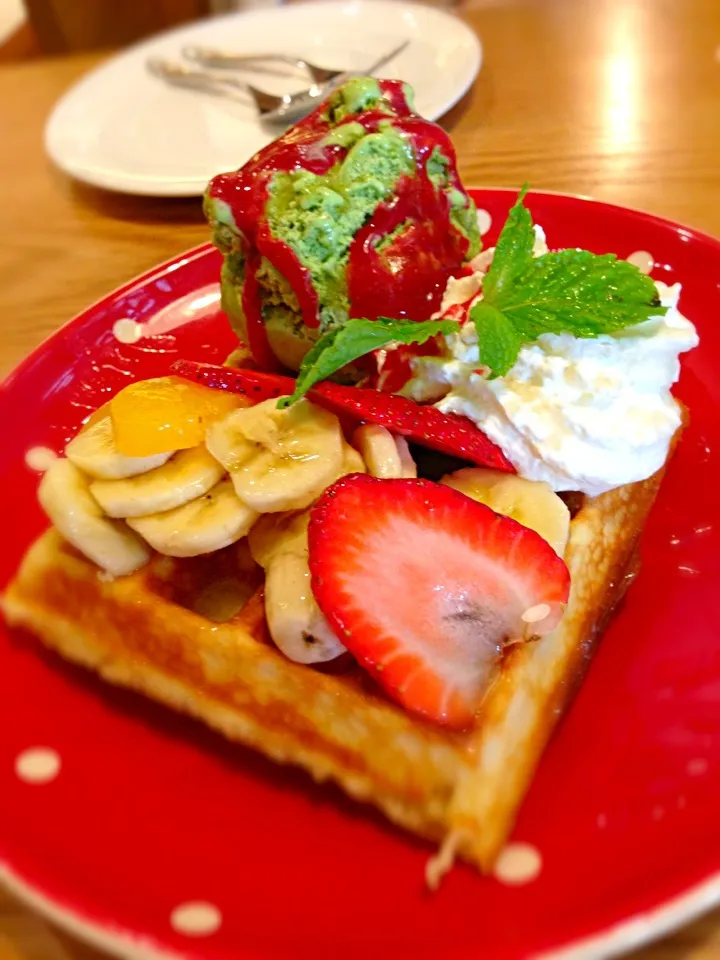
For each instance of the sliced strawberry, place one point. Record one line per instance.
(426, 425)
(253, 384)
(425, 586)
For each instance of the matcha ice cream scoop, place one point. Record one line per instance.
(357, 211)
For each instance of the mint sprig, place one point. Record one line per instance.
(569, 291)
(342, 346)
(498, 341)
(513, 252)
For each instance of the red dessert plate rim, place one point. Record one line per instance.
(614, 940)
(618, 939)
(141, 280)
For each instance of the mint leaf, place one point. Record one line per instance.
(578, 292)
(498, 340)
(570, 291)
(339, 347)
(513, 252)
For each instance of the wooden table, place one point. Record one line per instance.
(614, 98)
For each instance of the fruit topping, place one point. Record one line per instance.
(65, 497)
(279, 459)
(186, 476)
(386, 456)
(205, 524)
(531, 502)
(95, 451)
(298, 628)
(425, 587)
(426, 425)
(165, 414)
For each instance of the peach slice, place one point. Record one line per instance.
(166, 413)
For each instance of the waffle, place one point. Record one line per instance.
(462, 790)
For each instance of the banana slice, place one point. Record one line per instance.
(279, 460)
(287, 532)
(407, 464)
(189, 474)
(531, 502)
(65, 497)
(204, 525)
(295, 622)
(386, 455)
(94, 451)
(377, 448)
(352, 462)
(298, 628)
(276, 533)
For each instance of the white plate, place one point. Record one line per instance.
(123, 129)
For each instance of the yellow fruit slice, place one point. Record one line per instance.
(167, 413)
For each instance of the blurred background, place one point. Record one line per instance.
(62, 26)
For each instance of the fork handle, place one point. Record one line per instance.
(210, 57)
(194, 79)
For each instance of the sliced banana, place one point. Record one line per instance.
(287, 532)
(407, 464)
(94, 451)
(277, 533)
(189, 474)
(204, 525)
(376, 446)
(352, 462)
(298, 628)
(531, 502)
(386, 455)
(65, 497)
(296, 624)
(279, 460)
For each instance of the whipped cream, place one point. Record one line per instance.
(581, 414)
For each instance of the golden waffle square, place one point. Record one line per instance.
(462, 790)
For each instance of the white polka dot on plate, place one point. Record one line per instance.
(196, 918)
(40, 459)
(37, 765)
(127, 331)
(518, 863)
(484, 222)
(643, 260)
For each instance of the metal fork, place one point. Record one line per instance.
(286, 108)
(226, 59)
(270, 106)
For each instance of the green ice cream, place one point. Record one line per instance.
(356, 211)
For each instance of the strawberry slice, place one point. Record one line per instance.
(253, 384)
(426, 425)
(425, 587)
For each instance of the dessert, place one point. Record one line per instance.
(390, 568)
(358, 210)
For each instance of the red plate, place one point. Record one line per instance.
(149, 811)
